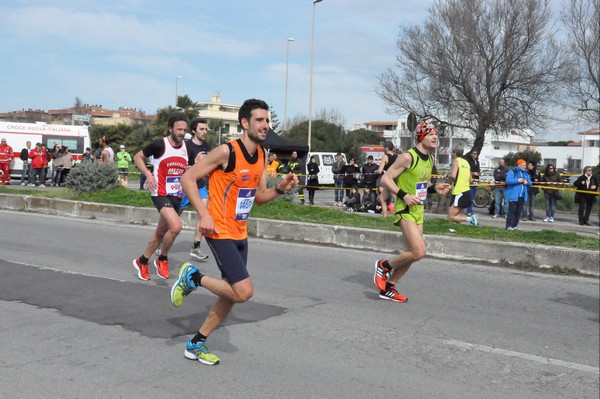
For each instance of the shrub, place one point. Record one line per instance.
(95, 176)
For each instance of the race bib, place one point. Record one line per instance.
(173, 186)
(421, 191)
(244, 203)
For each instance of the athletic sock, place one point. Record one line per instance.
(389, 286)
(163, 257)
(198, 337)
(196, 244)
(386, 265)
(143, 260)
(197, 278)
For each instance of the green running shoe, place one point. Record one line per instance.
(199, 351)
(184, 284)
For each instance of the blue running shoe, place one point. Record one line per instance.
(199, 351)
(184, 284)
(474, 219)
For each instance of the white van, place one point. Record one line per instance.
(325, 161)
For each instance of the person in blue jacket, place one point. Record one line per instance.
(517, 187)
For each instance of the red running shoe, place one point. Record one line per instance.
(392, 295)
(380, 277)
(162, 268)
(142, 269)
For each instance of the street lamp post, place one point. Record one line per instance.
(176, 89)
(287, 54)
(312, 60)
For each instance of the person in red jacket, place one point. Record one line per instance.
(39, 161)
(6, 156)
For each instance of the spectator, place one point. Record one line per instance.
(6, 157)
(313, 179)
(39, 161)
(585, 182)
(295, 166)
(351, 172)
(472, 158)
(57, 164)
(353, 200)
(107, 155)
(98, 152)
(517, 193)
(26, 163)
(123, 159)
(369, 200)
(551, 194)
(87, 156)
(500, 204)
(67, 164)
(369, 171)
(338, 179)
(535, 178)
(272, 165)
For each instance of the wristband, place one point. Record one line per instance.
(279, 191)
(401, 193)
(431, 189)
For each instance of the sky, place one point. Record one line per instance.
(129, 53)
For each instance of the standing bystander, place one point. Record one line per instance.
(586, 182)
(536, 178)
(123, 160)
(517, 193)
(472, 158)
(6, 157)
(552, 193)
(39, 161)
(24, 156)
(338, 179)
(500, 204)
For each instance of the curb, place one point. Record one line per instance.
(438, 247)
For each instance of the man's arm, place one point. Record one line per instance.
(140, 161)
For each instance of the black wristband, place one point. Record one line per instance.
(401, 193)
(431, 189)
(279, 191)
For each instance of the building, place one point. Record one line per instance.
(228, 113)
(576, 156)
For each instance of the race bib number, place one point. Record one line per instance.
(245, 200)
(421, 191)
(173, 186)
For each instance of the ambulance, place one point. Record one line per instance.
(77, 138)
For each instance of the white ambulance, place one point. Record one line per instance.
(325, 161)
(77, 138)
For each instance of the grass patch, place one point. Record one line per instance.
(285, 210)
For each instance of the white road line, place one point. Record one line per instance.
(526, 356)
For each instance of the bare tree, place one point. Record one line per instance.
(581, 18)
(332, 115)
(481, 65)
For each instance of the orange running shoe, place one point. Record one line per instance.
(162, 268)
(392, 295)
(381, 275)
(142, 269)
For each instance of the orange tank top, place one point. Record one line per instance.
(231, 194)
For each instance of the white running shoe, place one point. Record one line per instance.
(198, 254)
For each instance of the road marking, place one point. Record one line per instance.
(526, 356)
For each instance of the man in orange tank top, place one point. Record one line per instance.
(237, 180)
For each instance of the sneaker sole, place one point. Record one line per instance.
(191, 356)
(160, 275)
(174, 287)
(391, 299)
(139, 272)
(198, 257)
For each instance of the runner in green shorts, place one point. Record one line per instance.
(413, 170)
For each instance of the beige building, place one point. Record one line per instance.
(215, 109)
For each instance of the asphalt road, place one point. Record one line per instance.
(75, 322)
